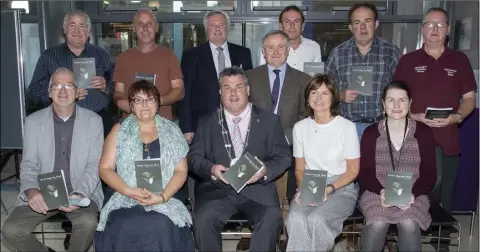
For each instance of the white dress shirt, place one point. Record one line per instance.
(228, 62)
(244, 123)
(308, 51)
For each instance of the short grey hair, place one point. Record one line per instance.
(60, 70)
(276, 32)
(232, 71)
(77, 13)
(147, 10)
(215, 12)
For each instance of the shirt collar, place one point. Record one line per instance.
(447, 51)
(242, 115)
(214, 47)
(56, 117)
(282, 68)
(375, 42)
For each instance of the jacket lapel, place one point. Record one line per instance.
(207, 59)
(234, 58)
(264, 87)
(254, 133)
(286, 89)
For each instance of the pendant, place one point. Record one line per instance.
(233, 161)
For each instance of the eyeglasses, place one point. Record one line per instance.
(431, 25)
(140, 101)
(58, 86)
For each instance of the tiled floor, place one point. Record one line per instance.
(55, 241)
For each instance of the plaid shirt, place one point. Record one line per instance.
(383, 56)
(61, 56)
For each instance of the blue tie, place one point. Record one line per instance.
(276, 88)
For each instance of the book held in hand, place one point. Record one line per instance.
(54, 189)
(313, 68)
(361, 79)
(84, 71)
(146, 76)
(149, 175)
(242, 171)
(432, 113)
(398, 190)
(313, 187)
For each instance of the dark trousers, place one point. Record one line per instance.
(17, 229)
(447, 168)
(211, 216)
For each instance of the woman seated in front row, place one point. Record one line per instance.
(136, 219)
(396, 143)
(323, 141)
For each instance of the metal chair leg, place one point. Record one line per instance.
(43, 234)
(472, 223)
(4, 208)
(459, 236)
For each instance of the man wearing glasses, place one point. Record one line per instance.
(63, 136)
(362, 66)
(441, 78)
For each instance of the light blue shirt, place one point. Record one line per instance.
(272, 76)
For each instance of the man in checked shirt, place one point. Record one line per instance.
(76, 27)
(363, 50)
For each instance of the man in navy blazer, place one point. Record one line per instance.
(202, 65)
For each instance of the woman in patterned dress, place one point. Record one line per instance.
(329, 142)
(401, 144)
(135, 219)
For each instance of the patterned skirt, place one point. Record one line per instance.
(372, 209)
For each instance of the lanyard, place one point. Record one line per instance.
(390, 143)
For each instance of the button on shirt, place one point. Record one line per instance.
(61, 56)
(438, 83)
(308, 51)
(383, 56)
(215, 53)
(272, 76)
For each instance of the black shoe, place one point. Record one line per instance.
(243, 245)
(50, 249)
(66, 242)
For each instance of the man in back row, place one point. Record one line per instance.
(292, 22)
(363, 52)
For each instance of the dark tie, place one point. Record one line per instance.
(276, 88)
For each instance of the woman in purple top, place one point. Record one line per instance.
(401, 144)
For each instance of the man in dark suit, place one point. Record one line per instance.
(221, 138)
(202, 65)
(279, 88)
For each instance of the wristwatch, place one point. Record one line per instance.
(333, 187)
(461, 117)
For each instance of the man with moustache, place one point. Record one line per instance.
(441, 78)
(148, 61)
(76, 27)
(292, 22)
(67, 137)
(279, 88)
(364, 50)
(201, 67)
(222, 137)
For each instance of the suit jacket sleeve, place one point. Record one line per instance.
(367, 175)
(29, 167)
(91, 180)
(184, 112)
(280, 157)
(198, 156)
(428, 167)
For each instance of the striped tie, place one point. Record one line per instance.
(237, 137)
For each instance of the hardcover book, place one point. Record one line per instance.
(149, 175)
(313, 68)
(398, 190)
(432, 113)
(84, 71)
(361, 79)
(54, 189)
(313, 187)
(242, 171)
(145, 76)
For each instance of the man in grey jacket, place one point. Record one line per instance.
(64, 137)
